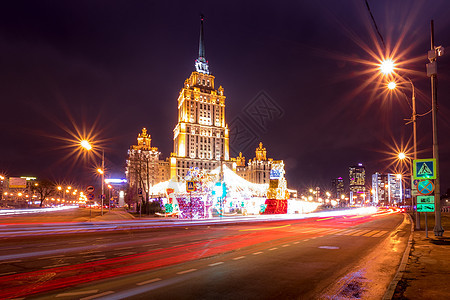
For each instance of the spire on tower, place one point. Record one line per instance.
(201, 64)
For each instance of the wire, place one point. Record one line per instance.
(375, 24)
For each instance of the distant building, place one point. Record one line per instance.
(357, 181)
(337, 188)
(144, 168)
(387, 189)
(200, 138)
(257, 169)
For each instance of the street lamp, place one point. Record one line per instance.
(87, 145)
(387, 68)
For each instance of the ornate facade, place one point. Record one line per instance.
(201, 135)
(144, 167)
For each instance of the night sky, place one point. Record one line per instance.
(108, 68)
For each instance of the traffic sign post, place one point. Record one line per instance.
(424, 168)
(90, 189)
(190, 186)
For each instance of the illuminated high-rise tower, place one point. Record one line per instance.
(201, 136)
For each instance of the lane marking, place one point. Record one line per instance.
(54, 256)
(369, 234)
(11, 261)
(256, 253)
(125, 253)
(355, 232)
(98, 295)
(76, 293)
(361, 232)
(379, 234)
(239, 257)
(297, 242)
(274, 248)
(329, 247)
(265, 228)
(124, 248)
(94, 259)
(148, 281)
(287, 245)
(325, 219)
(345, 232)
(148, 245)
(305, 240)
(313, 237)
(9, 273)
(186, 271)
(215, 264)
(55, 266)
(90, 252)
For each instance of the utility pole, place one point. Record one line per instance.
(432, 72)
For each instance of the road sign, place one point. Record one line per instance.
(90, 196)
(424, 168)
(425, 187)
(425, 207)
(425, 199)
(190, 186)
(90, 189)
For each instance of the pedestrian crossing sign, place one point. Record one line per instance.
(190, 186)
(424, 168)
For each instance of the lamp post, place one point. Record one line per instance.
(387, 67)
(432, 73)
(87, 145)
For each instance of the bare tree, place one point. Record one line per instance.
(44, 188)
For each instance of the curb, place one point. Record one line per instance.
(401, 268)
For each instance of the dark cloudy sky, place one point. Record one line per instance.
(113, 67)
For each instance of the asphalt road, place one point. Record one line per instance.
(340, 256)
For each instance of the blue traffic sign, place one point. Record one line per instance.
(424, 168)
(190, 186)
(90, 196)
(425, 187)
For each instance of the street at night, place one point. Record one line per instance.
(246, 259)
(224, 150)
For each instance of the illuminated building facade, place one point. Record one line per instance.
(337, 188)
(144, 167)
(201, 134)
(257, 169)
(357, 178)
(387, 189)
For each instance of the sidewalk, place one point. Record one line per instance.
(427, 271)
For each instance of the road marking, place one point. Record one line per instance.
(9, 273)
(256, 253)
(297, 242)
(10, 248)
(369, 234)
(329, 247)
(333, 231)
(325, 219)
(148, 281)
(98, 295)
(354, 232)
(345, 232)
(125, 253)
(305, 240)
(313, 237)
(124, 248)
(11, 261)
(94, 259)
(379, 234)
(239, 257)
(215, 264)
(287, 245)
(186, 271)
(54, 256)
(77, 242)
(77, 293)
(274, 248)
(55, 266)
(90, 252)
(148, 245)
(265, 228)
(361, 232)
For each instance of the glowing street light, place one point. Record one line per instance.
(392, 85)
(387, 67)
